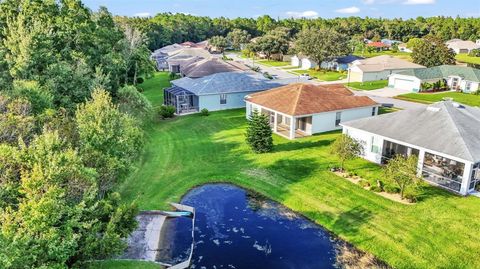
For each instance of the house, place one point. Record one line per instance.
(340, 63)
(462, 46)
(161, 55)
(390, 42)
(216, 92)
(379, 46)
(300, 109)
(378, 68)
(462, 78)
(303, 62)
(444, 136)
(403, 48)
(210, 66)
(185, 57)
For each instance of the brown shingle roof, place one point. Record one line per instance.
(306, 99)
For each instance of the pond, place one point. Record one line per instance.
(237, 229)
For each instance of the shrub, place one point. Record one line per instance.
(259, 133)
(132, 102)
(173, 76)
(474, 53)
(391, 189)
(411, 196)
(376, 188)
(166, 112)
(204, 112)
(364, 183)
(140, 80)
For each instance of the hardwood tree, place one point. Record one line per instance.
(238, 37)
(270, 44)
(432, 51)
(259, 133)
(218, 42)
(322, 44)
(346, 148)
(402, 171)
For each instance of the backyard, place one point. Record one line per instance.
(399, 54)
(367, 86)
(322, 75)
(189, 151)
(428, 98)
(464, 58)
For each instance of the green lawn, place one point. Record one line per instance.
(153, 87)
(274, 63)
(464, 58)
(439, 231)
(123, 265)
(368, 86)
(428, 98)
(400, 55)
(322, 75)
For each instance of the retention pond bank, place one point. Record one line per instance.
(237, 229)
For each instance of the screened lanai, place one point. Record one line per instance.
(184, 101)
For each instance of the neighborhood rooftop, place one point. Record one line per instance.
(443, 71)
(445, 127)
(229, 82)
(305, 99)
(212, 66)
(385, 62)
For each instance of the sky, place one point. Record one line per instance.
(293, 8)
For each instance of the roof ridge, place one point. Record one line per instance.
(298, 99)
(208, 82)
(454, 123)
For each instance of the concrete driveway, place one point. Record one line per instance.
(278, 72)
(387, 92)
(390, 100)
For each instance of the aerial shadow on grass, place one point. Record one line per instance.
(299, 145)
(347, 223)
(294, 170)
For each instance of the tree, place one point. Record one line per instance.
(346, 148)
(259, 133)
(322, 44)
(16, 120)
(219, 43)
(414, 42)
(109, 140)
(270, 44)
(402, 171)
(133, 103)
(238, 37)
(432, 52)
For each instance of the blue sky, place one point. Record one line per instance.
(293, 8)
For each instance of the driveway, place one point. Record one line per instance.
(278, 72)
(387, 92)
(390, 100)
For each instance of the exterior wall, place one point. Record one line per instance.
(373, 148)
(212, 102)
(414, 85)
(308, 64)
(324, 122)
(356, 75)
(474, 86)
(295, 61)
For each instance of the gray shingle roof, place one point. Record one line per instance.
(385, 62)
(230, 82)
(443, 71)
(445, 127)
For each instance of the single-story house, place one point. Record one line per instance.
(462, 46)
(184, 57)
(444, 136)
(301, 109)
(210, 66)
(161, 55)
(466, 79)
(378, 68)
(403, 48)
(378, 45)
(390, 42)
(340, 63)
(217, 92)
(303, 62)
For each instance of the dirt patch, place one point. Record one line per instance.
(391, 196)
(348, 257)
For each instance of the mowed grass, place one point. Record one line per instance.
(322, 75)
(439, 231)
(274, 63)
(400, 55)
(428, 98)
(367, 86)
(153, 87)
(464, 58)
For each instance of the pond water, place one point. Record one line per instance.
(236, 230)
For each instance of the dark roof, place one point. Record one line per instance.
(211, 66)
(306, 99)
(446, 127)
(443, 71)
(348, 59)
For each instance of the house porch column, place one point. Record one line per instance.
(292, 128)
(275, 122)
(467, 177)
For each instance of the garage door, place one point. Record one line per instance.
(404, 84)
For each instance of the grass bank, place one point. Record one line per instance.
(367, 86)
(274, 63)
(464, 58)
(322, 75)
(429, 98)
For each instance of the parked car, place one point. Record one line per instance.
(306, 76)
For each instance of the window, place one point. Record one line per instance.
(443, 171)
(374, 111)
(338, 118)
(374, 148)
(223, 99)
(468, 86)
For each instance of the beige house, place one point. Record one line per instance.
(378, 68)
(462, 46)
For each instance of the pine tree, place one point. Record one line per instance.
(259, 133)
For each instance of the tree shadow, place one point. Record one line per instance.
(294, 169)
(299, 145)
(349, 222)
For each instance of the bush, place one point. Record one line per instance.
(132, 102)
(411, 196)
(140, 80)
(474, 53)
(173, 76)
(376, 188)
(391, 189)
(364, 183)
(204, 112)
(259, 133)
(166, 112)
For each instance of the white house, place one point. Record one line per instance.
(299, 110)
(378, 68)
(445, 137)
(303, 62)
(466, 79)
(462, 46)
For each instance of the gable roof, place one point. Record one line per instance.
(385, 62)
(211, 66)
(443, 71)
(445, 127)
(306, 99)
(462, 44)
(229, 82)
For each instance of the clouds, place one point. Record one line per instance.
(142, 14)
(302, 14)
(348, 10)
(368, 2)
(419, 2)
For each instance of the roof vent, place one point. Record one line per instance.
(433, 109)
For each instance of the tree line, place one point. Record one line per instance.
(70, 129)
(166, 28)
